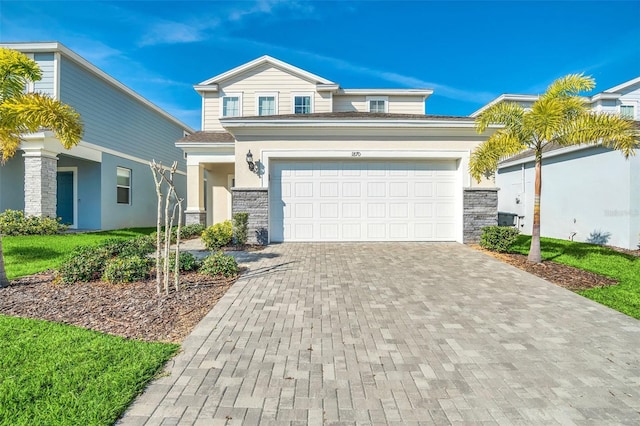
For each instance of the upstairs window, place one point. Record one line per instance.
(627, 111)
(123, 185)
(302, 104)
(231, 106)
(267, 105)
(377, 104)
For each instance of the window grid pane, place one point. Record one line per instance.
(266, 105)
(626, 111)
(376, 106)
(230, 106)
(302, 105)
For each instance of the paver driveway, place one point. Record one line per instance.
(385, 333)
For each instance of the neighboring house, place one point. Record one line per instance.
(589, 193)
(105, 181)
(312, 161)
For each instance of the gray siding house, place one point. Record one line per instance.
(589, 193)
(105, 181)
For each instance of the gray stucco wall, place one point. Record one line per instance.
(143, 208)
(594, 190)
(12, 184)
(254, 201)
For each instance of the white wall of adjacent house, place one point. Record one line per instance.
(585, 193)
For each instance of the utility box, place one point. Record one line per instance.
(507, 219)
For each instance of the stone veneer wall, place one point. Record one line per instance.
(40, 185)
(480, 209)
(195, 218)
(254, 201)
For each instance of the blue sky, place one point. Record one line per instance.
(468, 52)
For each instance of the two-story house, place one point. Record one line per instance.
(312, 161)
(589, 193)
(105, 181)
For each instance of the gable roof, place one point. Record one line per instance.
(266, 59)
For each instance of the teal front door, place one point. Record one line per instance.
(64, 208)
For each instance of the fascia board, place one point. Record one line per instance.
(263, 60)
(65, 51)
(229, 146)
(206, 88)
(349, 123)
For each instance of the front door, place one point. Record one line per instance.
(64, 209)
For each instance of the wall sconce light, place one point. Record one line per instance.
(252, 165)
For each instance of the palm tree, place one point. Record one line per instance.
(22, 112)
(559, 116)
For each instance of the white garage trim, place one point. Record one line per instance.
(376, 199)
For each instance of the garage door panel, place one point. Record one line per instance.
(363, 200)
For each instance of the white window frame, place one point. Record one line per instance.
(298, 94)
(118, 168)
(264, 95)
(385, 99)
(231, 95)
(631, 104)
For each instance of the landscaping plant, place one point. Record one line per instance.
(14, 222)
(498, 238)
(219, 264)
(240, 228)
(126, 269)
(217, 236)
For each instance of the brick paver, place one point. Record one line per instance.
(398, 333)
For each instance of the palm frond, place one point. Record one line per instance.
(569, 85)
(16, 69)
(9, 144)
(508, 114)
(34, 111)
(610, 130)
(484, 160)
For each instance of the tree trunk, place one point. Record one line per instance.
(4, 281)
(535, 255)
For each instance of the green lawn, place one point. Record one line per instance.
(624, 297)
(26, 255)
(55, 374)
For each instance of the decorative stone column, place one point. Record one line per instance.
(254, 201)
(480, 209)
(40, 182)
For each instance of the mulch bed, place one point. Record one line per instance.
(571, 278)
(133, 310)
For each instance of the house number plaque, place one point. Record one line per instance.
(356, 154)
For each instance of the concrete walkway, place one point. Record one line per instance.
(398, 333)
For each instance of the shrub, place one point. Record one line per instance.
(219, 264)
(498, 238)
(240, 228)
(186, 262)
(84, 264)
(126, 269)
(139, 246)
(218, 235)
(14, 222)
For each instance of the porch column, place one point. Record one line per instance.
(480, 209)
(40, 184)
(195, 212)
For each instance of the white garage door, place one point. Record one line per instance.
(363, 201)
